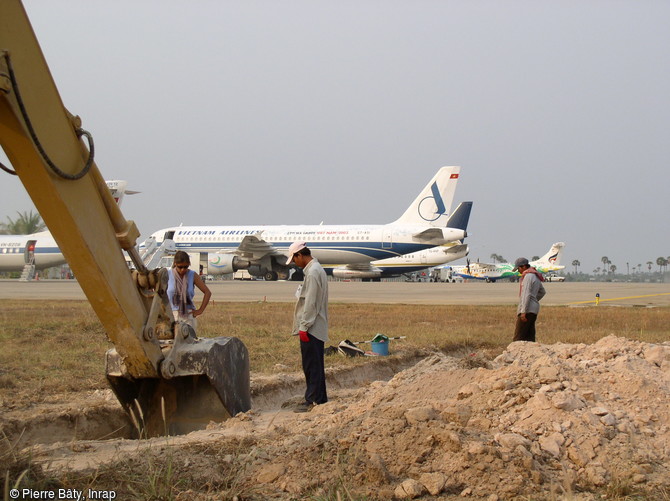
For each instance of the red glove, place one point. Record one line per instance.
(303, 336)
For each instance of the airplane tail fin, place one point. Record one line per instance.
(460, 217)
(553, 257)
(119, 189)
(433, 204)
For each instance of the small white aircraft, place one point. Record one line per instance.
(492, 272)
(261, 250)
(40, 249)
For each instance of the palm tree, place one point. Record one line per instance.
(576, 264)
(649, 263)
(605, 260)
(25, 224)
(612, 269)
(497, 258)
(661, 262)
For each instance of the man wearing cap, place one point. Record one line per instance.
(310, 323)
(530, 292)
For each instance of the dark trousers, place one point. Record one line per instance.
(525, 331)
(313, 366)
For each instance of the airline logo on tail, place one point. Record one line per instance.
(551, 260)
(431, 208)
(118, 189)
(433, 204)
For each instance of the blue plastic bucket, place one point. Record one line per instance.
(380, 348)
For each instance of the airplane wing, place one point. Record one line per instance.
(254, 247)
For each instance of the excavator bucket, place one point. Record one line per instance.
(203, 380)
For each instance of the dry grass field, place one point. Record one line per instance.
(58, 346)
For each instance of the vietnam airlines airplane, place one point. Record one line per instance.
(261, 250)
(492, 272)
(40, 249)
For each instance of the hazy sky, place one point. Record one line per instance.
(297, 112)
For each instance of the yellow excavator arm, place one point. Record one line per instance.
(76, 212)
(54, 159)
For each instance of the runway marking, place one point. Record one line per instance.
(620, 298)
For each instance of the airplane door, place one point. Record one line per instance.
(387, 239)
(204, 263)
(29, 252)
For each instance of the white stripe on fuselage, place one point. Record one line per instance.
(330, 244)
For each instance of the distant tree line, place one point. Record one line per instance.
(25, 224)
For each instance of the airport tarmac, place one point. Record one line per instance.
(558, 293)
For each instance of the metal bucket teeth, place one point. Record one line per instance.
(203, 380)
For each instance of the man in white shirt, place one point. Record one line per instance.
(310, 323)
(530, 292)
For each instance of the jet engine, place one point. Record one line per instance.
(344, 272)
(221, 264)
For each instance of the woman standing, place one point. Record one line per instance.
(181, 290)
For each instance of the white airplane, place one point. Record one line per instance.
(40, 249)
(415, 261)
(492, 272)
(261, 250)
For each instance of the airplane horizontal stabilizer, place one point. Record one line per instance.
(429, 234)
(457, 249)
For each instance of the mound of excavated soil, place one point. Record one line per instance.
(539, 420)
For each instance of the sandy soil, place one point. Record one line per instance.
(538, 420)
